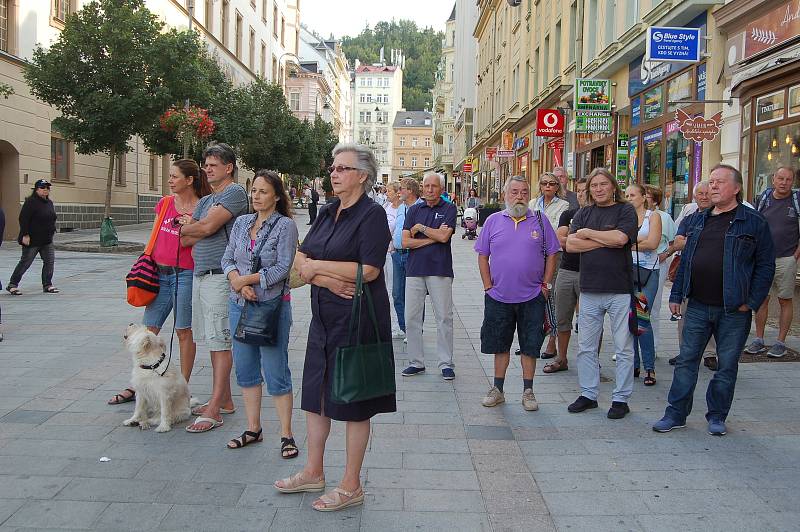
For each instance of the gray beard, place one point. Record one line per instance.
(516, 210)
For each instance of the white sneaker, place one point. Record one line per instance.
(529, 401)
(405, 339)
(397, 333)
(614, 357)
(493, 397)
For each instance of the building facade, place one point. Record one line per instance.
(443, 108)
(412, 133)
(308, 93)
(248, 38)
(377, 97)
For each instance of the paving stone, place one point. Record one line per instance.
(34, 417)
(93, 468)
(132, 516)
(599, 523)
(423, 521)
(442, 500)
(8, 507)
(594, 503)
(439, 461)
(515, 502)
(306, 518)
(422, 479)
(30, 487)
(215, 518)
(211, 493)
(484, 432)
(266, 496)
(514, 521)
(110, 490)
(56, 514)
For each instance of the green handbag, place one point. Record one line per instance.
(362, 371)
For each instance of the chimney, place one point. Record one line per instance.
(382, 59)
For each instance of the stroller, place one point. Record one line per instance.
(469, 220)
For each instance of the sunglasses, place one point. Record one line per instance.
(549, 183)
(340, 168)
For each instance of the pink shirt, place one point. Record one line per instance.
(165, 251)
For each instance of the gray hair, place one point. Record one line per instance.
(223, 152)
(366, 161)
(437, 174)
(703, 183)
(736, 175)
(515, 178)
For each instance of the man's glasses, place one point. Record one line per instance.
(340, 168)
(549, 183)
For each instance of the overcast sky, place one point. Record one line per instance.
(348, 17)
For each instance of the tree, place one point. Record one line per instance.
(111, 73)
(6, 90)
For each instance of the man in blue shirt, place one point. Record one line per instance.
(427, 230)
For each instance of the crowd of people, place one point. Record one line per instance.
(595, 251)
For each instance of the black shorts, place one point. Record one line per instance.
(500, 320)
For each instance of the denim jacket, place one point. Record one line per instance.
(748, 262)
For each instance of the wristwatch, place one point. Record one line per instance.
(549, 286)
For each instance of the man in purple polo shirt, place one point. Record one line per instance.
(427, 230)
(517, 259)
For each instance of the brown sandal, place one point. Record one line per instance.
(338, 499)
(556, 366)
(120, 398)
(650, 378)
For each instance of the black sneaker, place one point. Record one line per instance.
(410, 371)
(618, 410)
(581, 403)
(673, 361)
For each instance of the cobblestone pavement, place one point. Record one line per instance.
(442, 462)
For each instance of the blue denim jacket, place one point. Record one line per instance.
(748, 262)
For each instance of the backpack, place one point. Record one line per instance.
(763, 200)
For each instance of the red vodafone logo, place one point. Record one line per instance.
(549, 123)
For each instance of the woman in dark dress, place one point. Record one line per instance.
(350, 230)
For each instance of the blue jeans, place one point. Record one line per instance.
(645, 344)
(730, 330)
(264, 363)
(157, 312)
(399, 287)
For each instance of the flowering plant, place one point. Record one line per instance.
(189, 124)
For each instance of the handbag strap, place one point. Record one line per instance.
(151, 243)
(544, 238)
(355, 312)
(257, 251)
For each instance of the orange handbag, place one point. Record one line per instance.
(142, 280)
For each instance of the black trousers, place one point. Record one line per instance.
(312, 212)
(48, 255)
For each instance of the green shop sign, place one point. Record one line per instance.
(592, 95)
(593, 122)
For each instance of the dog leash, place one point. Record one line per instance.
(174, 313)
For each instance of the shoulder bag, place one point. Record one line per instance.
(549, 308)
(259, 321)
(639, 317)
(362, 371)
(142, 280)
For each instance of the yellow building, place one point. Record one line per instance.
(412, 138)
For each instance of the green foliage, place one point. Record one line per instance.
(6, 90)
(422, 48)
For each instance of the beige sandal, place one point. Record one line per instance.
(296, 484)
(339, 499)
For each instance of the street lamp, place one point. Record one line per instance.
(284, 54)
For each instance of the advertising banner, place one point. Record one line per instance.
(593, 122)
(592, 94)
(675, 45)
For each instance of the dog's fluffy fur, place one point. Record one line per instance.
(159, 399)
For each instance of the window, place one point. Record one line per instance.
(275, 20)
(515, 85)
(573, 17)
(60, 167)
(413, 161)
(4, 25)
(408, 121)
(238, 35)
(609, 31)
(591, 48)
(369, 98)
(369, 82)
(368, 116)
(253, 4)
(274, 67)
(208, 15)
(427, 142)
(264, 11)
(413, 142)
(224, 22)
(631, 13)
(61, 9)
(546, 61)
(402, 161)
(263, 59)
(120, 170)
(362, 98)
(294, 101)
(402, 142)
(152, 176)
(536, 57)
(427, 162)
(283, 32)
(252, 57)
(526, 95)
(557, 51)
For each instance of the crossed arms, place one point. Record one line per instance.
(590, 239)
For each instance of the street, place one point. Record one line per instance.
(442, 462)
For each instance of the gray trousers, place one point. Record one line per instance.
(594, 307)
(441, 292)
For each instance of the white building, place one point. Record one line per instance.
(377, 97)
(443, 108)
(332, 64)
(465, 61)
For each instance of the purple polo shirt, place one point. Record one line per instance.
(436, 259)
(516, 258)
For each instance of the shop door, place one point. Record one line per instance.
(676, 166)
(598, 158)
(651, 157)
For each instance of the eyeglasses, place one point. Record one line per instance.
(549, 183)
(339, 168)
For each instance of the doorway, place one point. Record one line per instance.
(9, 188)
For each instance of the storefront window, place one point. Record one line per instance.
(769, 108)
(777, 146)
(652, 157)
(746, 115)
(794, 101)
(676, 186)
(680, 88)
(653, 103)
(744, 151)
(633, 147)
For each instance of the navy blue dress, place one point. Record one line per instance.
(361, 234)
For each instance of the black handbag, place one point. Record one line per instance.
(362, 371)
(549, 326)
(260, 320)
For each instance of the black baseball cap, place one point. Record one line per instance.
(42, 183)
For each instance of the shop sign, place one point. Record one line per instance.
(549, 123)
(521, 143)
(622, 158)
(593, 122)
(504, 154)
(633, 145)
(701, 82)
(592, 94)
(490, 153)
(508, 141)
(773, 29)
(557, 146)
(769, 107)
(636, 111)
(467, 166)
(652, 136)
(794, 101)
(653, 103)
(697, 128)
(677, 45)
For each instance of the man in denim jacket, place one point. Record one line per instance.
(726, 271)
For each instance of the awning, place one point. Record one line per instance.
(765, 70)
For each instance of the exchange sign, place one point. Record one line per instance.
(593, 122)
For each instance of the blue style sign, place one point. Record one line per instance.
(673, 44)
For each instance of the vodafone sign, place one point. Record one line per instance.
(549, 123)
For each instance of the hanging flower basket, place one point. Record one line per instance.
(189, 125)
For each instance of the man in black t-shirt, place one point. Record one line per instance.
(567, 287)
(602, 233)
(726, 271)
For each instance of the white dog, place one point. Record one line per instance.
(162, 399)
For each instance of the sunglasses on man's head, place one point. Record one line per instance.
(340, 168)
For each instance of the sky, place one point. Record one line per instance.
(348, 17)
